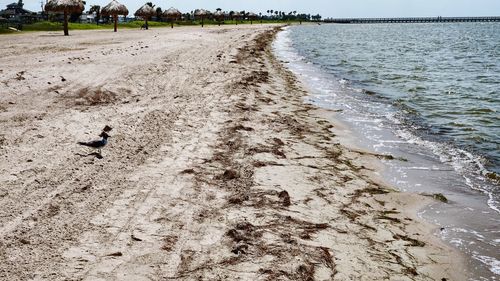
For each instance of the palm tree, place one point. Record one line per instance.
(159, 12)
(96, 9)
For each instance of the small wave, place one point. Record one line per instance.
(410, 121)
(475, 111)
(464, 162)
(493, 264)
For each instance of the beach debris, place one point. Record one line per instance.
(240, 249)
(285, 198)
(19, 75)
(493, 176)
(267, 149)
(187, 171)
(94, 96)
(145, 12)
(24, 241)
(66, 7)
(114, 8)
(368, 92)
(243, 232)
(169, 243)
(412, 242)
(230, 174)
(53, 210)
(440, 197)
(386, 217)
(238, 198)
(242, 128)
(86, 187)
(115, 254)
(279, 142)
(436, 196)
(135, 238)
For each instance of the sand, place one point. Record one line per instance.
(216, 168)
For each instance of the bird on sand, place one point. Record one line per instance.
(97, 144)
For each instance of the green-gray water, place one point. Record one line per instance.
(429, 93)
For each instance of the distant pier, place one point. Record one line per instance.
(412, 20)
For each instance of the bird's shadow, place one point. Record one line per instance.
(95, 154)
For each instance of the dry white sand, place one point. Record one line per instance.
(216, 169)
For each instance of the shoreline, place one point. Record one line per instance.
(219, 171)
(467, 220)
(409, 203)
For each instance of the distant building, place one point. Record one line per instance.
(16, 12)
(87, 18)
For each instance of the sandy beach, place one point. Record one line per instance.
(215, 170)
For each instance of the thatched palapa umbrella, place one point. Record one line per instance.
(251, 16)
(236, 16)
(201, 13)
(145, 12)
(172, 15)
(66, 7)
(114, 9)
(219, 16)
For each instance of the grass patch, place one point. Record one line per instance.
(58, 26)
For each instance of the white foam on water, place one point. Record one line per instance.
(494, 264)
(373, 121)
(462, 161)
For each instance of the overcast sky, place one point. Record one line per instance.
(327, 8)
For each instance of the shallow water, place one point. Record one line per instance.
(428, 94)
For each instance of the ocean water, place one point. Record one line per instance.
(427, 94)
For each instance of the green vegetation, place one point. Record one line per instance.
(57, 26)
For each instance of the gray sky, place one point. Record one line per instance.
(327, 8)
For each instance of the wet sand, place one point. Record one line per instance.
(216, 169)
